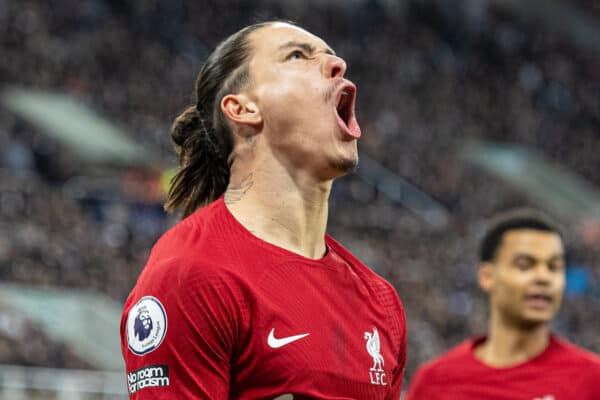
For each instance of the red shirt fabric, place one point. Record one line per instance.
(218, 313)
(562, 372)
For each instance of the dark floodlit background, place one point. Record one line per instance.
(467, 108)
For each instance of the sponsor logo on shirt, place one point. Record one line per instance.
(150, 376)
(146, 325)
(547, 397)
(376, 373)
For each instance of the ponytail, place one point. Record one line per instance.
(204, 172)
(201, 136)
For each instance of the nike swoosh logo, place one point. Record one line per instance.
(275, 343)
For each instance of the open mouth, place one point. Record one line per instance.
(539, 300)
(344, 107)
(345, 110)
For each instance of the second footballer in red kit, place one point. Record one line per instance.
(522, 270)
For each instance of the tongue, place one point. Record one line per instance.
(353, 128)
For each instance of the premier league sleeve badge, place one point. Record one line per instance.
(146, 325)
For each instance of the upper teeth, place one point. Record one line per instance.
(343, 99)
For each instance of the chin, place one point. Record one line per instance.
(344, 166)
(535, 319)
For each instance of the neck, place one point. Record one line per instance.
(509, 344)
(284, 209)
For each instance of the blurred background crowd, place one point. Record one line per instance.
(433, 76)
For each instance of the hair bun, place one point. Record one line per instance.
(185, 126)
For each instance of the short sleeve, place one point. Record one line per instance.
(201, 326)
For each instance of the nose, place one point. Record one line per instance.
(543, 275)
(334, 66)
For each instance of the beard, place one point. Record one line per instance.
(329, 93)
(344, 166)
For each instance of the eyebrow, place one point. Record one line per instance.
(559, 256)
(309, 48)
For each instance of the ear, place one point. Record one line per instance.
(240, 109)
(485, 276)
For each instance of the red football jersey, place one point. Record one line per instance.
(561, 372)
(218, 313)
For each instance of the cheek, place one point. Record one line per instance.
(280, 102)
(512, 287)
(298, 87)
(560, 283)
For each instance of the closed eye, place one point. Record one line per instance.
(524, 262)
(556, 264)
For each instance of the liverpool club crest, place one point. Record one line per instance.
(376, 373)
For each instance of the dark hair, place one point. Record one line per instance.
(201, 136)
(513, 220)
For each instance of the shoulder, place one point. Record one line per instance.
(445, 366)
(443, 372)
(583, 366)
(191, 232)
(370, 276)
(381, 289)
(435, 374)
(205, 238)
(196, 252)
(575, 354)
(381, 294)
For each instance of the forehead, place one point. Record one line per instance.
(273, 38)
(540, 244)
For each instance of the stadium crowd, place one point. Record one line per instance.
(430, 76)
